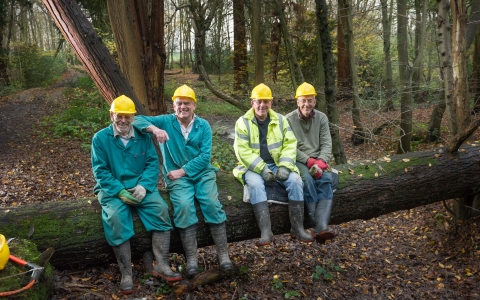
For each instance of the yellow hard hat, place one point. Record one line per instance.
(4, 252)
(305, 89)
(261, 92)
(123, 105)
(184, 91)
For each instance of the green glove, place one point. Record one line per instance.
(127, 198)
(267, 174)
(282, 173)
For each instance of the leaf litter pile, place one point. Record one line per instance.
(414, 254)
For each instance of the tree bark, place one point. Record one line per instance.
(257, 42)
(445, 48)
(295, 70)
(323, 34)
(240, 71)
(366, 190)
(387, 30)
(90, 50)
(128, 48)
(358, 136)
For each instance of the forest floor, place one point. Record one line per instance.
(412, 254)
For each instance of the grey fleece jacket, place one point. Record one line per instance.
(313, 136)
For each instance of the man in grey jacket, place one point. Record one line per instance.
(314, 146)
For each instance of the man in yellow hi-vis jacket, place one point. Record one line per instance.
(266, 149)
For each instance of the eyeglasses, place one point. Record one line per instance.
(123, 117)
(266, 102)
(180, 103)
(309, 101)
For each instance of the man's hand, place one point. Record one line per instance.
(138, 192)
(160, 135)
(322, 164)
(316, 172)
(311, 161)
(282, 173)
(176, 174)
(127, 198)
(267, 174)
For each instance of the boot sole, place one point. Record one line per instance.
(326, 235)
(127, 292)
(301, 240)
(168, 279)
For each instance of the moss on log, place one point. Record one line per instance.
(367, 189)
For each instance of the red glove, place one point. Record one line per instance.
(316, 172)
(322, 164)
(310, 162)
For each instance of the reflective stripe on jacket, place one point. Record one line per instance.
(281, 141)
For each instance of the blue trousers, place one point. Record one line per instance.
(118, 221)
(256, 185)
(315, 190)
(184, 190)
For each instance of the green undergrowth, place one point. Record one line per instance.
(85, 113)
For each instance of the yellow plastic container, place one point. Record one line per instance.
(4, 252)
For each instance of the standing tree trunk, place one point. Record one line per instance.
(240, 71)
(202, 16)
(257, 41)
(405, 77)
(344, 84)
(119, 13)
(323, 34)
(476, 73)
(150, 36)
(292, 58)
(459, 63)
(387, 29)
(90, 50)
(417, 72)
(274, 50)
(358, 136)
(445, 47)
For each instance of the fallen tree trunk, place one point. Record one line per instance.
(367, 189)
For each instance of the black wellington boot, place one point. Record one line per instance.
(262, 214)
(322, 216)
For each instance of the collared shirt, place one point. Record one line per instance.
(186, 129)
(124, 138)
(312, 113)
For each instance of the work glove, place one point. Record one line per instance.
(282, 173)
(322, 164)
(316, 172)
(267, 174)
(311, 161)
(138, 192)
(127, 198)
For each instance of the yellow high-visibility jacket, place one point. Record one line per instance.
(282, 144)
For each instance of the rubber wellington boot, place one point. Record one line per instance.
(161, 247)
(322, 216)
(262, 214)
(296, 213)
(311, 208)
(189, 242)
(219, 235)
(123, 255)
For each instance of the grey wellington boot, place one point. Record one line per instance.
(296, 213)
(161, 247)
(322, 216)
(219, 235)
(311, 208)
(189, 242)
(262, 214)
(123, 255)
